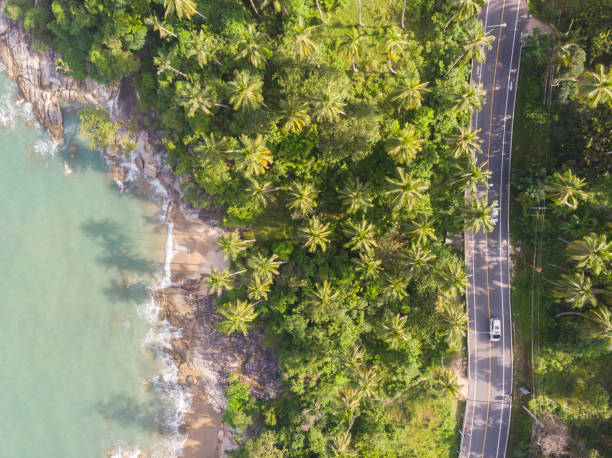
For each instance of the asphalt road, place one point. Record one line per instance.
(487, 414)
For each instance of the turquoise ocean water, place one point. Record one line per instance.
(76, 258)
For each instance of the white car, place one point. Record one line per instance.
(495, 213)
(495, 329)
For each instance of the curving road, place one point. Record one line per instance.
(487, 414)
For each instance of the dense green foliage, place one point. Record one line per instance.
(336, 136)
(562, 207)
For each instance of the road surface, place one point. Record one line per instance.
(487, 413)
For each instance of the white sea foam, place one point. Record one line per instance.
(45, 147)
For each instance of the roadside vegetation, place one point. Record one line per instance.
(562, 232)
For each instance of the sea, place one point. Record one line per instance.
(83, 372)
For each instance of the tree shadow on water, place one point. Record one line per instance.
(118, 254)
(127, 412)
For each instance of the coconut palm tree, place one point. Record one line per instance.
(409, 93)
(454, 321)
(203, 47)
(478, 215)
(262, 192)
(253, 46)
(351, 42)
(448, 381)
(362, 236)
(394, 45)
(356, 196)
(320, 12)
(394, 287)
(395, 332)
(264, 267)
(293, 115)
(302, 198)
(470, 98)
(194, 98)
(340, 445)
(232, 245)
(421, 230)
(418, 258)
(163, 62)
(258, 289)
(576, 290)
(322, 295)
(566, 189)
(220, 280)
(238, 316)
(471, 177)
(349, 399)
(316, 234)
(246, 91)
(464, 9)
(368, 266)
(254, 157)
(452, 279)
(180, 7)
(598, 325)
(368, 382)
(598, 86)
(327, 105)
(405, 144)
(212, 148)
(592, 252)
(299, 43)
(465, 143)
(475, 46)
(159, 26)
(406, 190)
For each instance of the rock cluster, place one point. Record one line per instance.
(41, 83)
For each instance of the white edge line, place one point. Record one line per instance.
(508, 246)
(501, 277)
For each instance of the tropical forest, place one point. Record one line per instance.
(335, 138)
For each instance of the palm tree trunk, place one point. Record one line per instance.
(238, 272)
(200, 14)
(178, 72)
(454, 64)
(390, 67)
(320, 12)
(168, 32)
(254, 8)
(217, 61)
(222, 105)
(359, 12)
(450, 20)
(403, 14)
(353, 64)
(568, 313)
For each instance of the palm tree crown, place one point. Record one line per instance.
(409, 93)
(328, 105)
(395, 333)
(356, 196)
(316, 234)
(592, 251)
(254, 157)
(406, 190)
(246, 91)
(252, 45)
(405, 144)
(302, 198)
(566, 189)
(598, 86)
(362, 236)
(238, 315)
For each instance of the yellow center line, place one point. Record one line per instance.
(484, 441)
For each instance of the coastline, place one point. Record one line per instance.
(197, 358)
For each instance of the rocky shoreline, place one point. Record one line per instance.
(204, 356)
